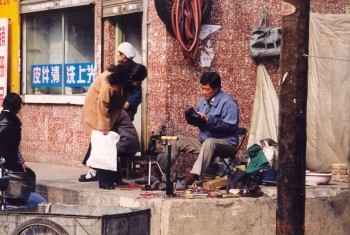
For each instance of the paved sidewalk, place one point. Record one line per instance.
(327, 206)
(64, 177)
(54, 177)
(53, 174)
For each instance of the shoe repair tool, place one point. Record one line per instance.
(230, 195)
(195, 195)
(151, 158)
(169, 190)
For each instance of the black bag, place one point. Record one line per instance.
(21, 185)
(247, 182)
(269, 176)
(236, 180)
(265, 41)
(252, 181)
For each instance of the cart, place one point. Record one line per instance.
(61, 219)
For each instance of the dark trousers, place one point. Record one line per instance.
(106, 177)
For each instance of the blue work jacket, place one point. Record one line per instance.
(223, 113)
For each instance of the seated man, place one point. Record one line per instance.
(217, 119)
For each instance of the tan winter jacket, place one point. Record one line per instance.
(103, 104)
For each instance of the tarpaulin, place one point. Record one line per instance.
(264, 123)
(328, 106)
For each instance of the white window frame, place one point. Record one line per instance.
(75, 99)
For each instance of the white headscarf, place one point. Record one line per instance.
(127, 49)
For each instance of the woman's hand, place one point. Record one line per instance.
(24, 167)
(126, 105)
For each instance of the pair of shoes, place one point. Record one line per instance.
(107, 186)
(90, 176)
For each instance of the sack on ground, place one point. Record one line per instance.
(236, 180)
(249, 182)
(103, 150)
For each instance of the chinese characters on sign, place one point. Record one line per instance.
(75, 75)
(79, 74)
(3, 58)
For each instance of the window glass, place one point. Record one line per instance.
(59, 51)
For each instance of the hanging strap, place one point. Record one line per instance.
(265, 19)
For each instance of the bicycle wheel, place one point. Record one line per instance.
(39, 227)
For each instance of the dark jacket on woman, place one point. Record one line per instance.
(10, 138)
(129, 142)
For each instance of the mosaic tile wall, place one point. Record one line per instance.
(173, 81)
(53, 134)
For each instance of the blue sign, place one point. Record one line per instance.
(79, 74)
(46, 75)
(75, 75)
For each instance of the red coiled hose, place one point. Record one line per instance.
(186, 19)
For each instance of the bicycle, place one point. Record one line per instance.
(32, 226)
(4, 183)
(39, 227)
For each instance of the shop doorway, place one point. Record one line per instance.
(129, 29)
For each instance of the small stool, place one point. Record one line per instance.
(129, 163)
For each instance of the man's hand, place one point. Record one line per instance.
(203, 116)
(126, 105)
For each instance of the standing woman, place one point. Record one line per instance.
(103, 104)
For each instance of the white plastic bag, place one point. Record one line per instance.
(270, 150)
(103, 150)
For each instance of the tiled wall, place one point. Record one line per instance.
(53, 134)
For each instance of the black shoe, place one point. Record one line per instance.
(255, 194)
(107, 186)
(84, 179)
(121, 183)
